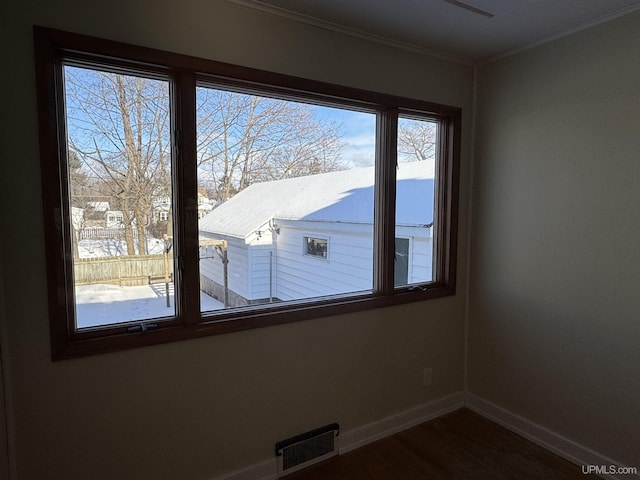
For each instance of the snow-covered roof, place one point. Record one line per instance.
(99, 206)
(344, 196)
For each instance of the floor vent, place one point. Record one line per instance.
(298, 452)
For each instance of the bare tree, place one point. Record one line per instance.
(118, 126)
(417, 139)
(243, 139)
(119, 137)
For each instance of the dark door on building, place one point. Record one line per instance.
(401, 272)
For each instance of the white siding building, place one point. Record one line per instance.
(312, 236)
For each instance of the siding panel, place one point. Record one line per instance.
(347, 268)
(212, 267)
(258, 274)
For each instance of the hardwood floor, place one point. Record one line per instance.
(461, 445)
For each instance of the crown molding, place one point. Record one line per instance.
(353, 32)
(420, 49)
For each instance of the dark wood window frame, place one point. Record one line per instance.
(53, 47)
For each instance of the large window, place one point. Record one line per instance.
(185, 197)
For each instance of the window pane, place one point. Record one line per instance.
(286, 191)
(316, 247)
(415, 194)
(119, 177)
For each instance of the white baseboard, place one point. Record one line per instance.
(352, 439)
(358, 437)
(558, 444)
(361, 436)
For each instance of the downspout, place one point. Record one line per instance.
(225, 263)
(271, 276)
(275, 231)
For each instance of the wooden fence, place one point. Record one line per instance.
(99, 233)
(121, 270)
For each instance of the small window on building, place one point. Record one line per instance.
(316, 247)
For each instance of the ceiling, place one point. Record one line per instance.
(470, 31)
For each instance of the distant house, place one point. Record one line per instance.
(313, 236)
(100, 207)
(161, 208)
(113, 219)
(204, 205)
(77, 218)
(94, 214)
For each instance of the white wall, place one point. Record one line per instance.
(347, 268)
(199, 408)
(420, 251)
(237, 272)
(248, 268)
(261, 268)
(555, 304)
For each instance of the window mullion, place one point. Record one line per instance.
(185, 202)
(386, 158)
(447, 202)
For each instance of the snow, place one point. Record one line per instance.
(346, 196)
(90, 248)
(101, 304)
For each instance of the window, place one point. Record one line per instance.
(416, 196)
(316, 247)
(118, 150)
(219, 189)
(280, 168)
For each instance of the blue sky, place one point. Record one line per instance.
(357, 128)
(359, 134)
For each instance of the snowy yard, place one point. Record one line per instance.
(105, 304)
(108, 304)
(89, 248)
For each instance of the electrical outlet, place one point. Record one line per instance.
(426, 377)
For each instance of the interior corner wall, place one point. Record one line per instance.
(554, 331)
(201, 408)
(5, 471)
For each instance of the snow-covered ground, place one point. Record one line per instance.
(103, 304)
(90, 248)
(108, 304)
